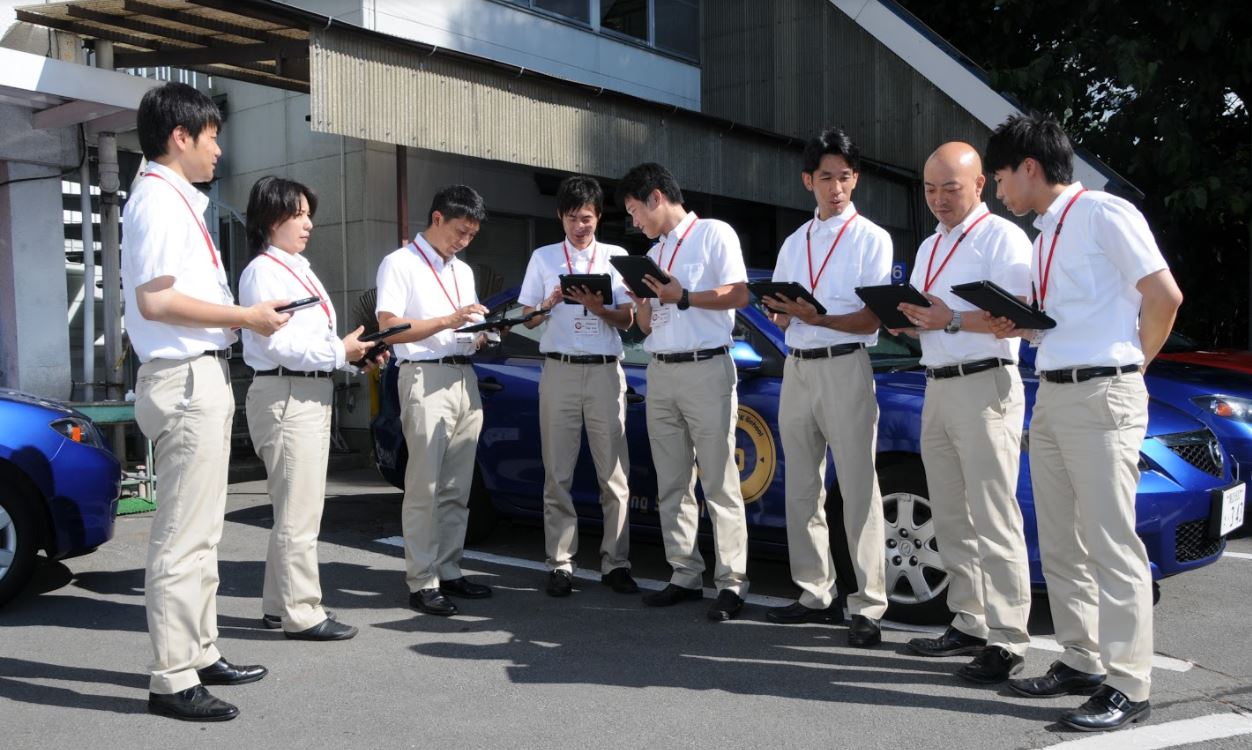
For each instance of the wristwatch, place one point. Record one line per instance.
(953, 325)
(684, 301)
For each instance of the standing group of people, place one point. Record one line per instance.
(1112, 296)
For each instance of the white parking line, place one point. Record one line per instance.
(1169, 734)
(1240, 555)
(1043, 644)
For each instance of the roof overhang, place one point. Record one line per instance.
(63, 94)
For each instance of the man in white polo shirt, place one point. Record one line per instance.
(582, 382)
(425, 285)
(1099, 274)
(692, 400)
(827, 395)
(179, 316)
(972, 420)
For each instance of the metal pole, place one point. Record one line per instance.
(402, 192)
(110, 250)
(89, 284)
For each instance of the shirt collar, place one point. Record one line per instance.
(431, 253)
(569, 244)
(975, 213)
(198, 200)
(833, 222)
(1053, 214)
(292, 259)
(681, 228)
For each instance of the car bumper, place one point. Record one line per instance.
(83, 504)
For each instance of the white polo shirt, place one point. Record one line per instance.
(995, 249)
(164, 235)
(1105, 248)
(308, 342)
(568, 329)
(862, 257)
(414, 282)
(702, 254)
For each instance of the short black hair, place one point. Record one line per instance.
(272, 201)
(458, 202)
(577, 191)
(831, 141)
(1039, 138)
(166, 107)
(642, 179)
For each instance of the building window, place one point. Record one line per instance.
(678, 26)
(629, 17)
(672, 26)
(579, 10)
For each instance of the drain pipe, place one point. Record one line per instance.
(89, 284)
(111, 256)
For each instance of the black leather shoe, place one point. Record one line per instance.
(560, 583)
(1108, 709)
(726, 607)
(671, 595)
(953, 642)
(222, 672)
(192, 704)
(992, 666)
(464, 588)
(1061, 679)
(326, 630)
(432, 602)
(619, 580)
(864, 632)
(797, 612)
(274, 622)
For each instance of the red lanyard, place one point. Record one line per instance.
(455, 305)
(208, 241)
(1045, 272)
(930, 280)
(312, 290)
(570, 267)
(808, 244)
(677, 247)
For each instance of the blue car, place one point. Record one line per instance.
(58, 486)
(1176, 492)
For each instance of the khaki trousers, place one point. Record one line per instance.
(971, 447)
(185, 407)
(289, 421)
(692, 409)
(441, 414)
(569, 395)
(830, 402)
(1084, 455)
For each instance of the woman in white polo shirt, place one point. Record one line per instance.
(289, 403)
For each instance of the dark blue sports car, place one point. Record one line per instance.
(1182, 463)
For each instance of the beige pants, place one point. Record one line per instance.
(830, 402)
(1084, 456)
(971, 447)
(692, 409)
(441, 414)
(289, 420)
(570, 395)
(185, 408)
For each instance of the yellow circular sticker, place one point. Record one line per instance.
(755, 454)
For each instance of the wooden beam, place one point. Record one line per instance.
(92, 31)
(244, 9)
(261, 80)
(235, 55)
(132, 23)
(203, 22)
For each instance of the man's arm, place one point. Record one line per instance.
(1161, 299)
(158, 300)
(424, 329)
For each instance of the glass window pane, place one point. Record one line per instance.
(678, 26)
(579, 10)
(629, 17)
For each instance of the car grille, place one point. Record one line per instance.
(1199, 448)
(1192, 541)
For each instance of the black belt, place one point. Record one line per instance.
(281, 371)
(227, 353)
(1080, 374)
(696, 356)
(837, 350)
(966, 368)
(581, 359)
(459, 359)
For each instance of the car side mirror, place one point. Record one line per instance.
(745, 356)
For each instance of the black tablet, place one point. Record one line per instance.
(299, 304)
(883, 301)
(596, 282)
(986, 295)
(789, 289)
(379, 335)
(498, 323)
(633, 268)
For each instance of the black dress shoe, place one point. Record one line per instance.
(671, 595)
(726, 607)
(619, 580)
(1108, 709)
(192, 704)
(326, 630)
(992, 666)
(222, 672)
(953, 642)
(464, 588)
(274, 622)
(864, 632)
(1061, 679)
(797, 612)
(560, 583)
(432, 602)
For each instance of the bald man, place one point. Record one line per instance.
(972, 420)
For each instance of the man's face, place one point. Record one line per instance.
(199, 154)
(1013, 188)
(580, 224)
(646, 214)
(952, 190)
(832, 184)
(451, 236)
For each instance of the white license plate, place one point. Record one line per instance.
(1233, 501)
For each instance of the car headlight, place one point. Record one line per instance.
(1227, 407)
(77, 429)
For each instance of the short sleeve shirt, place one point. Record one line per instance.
(414, 282)
(569, 329)
(308, 342)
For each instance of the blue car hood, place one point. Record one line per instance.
(7, 394)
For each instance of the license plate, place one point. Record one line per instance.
(1228, 507)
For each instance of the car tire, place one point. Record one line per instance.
(19, 542)
(482, 514)
(917, 583)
